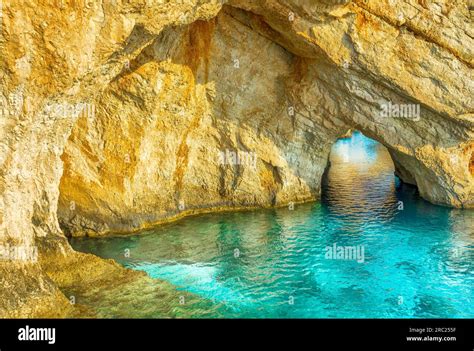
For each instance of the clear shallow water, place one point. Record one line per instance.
(417, 262)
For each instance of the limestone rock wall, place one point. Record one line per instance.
(56, 55)
(204, 119)
(277, 81)
(118, 111)
(376, 53)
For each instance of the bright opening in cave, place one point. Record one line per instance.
(360, 174)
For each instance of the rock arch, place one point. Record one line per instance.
(315, 70)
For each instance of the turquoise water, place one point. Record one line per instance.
(415, 260)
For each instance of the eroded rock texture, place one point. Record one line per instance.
(128, 113)
(203, 120)
(56, 55)
(279, 81)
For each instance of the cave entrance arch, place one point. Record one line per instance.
(360, 177)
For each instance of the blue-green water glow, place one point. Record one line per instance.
(418, 258)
